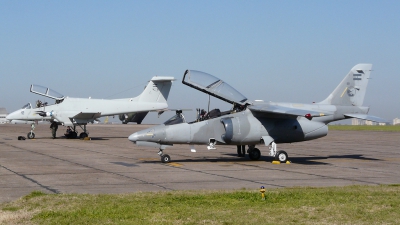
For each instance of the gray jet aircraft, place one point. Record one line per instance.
(258, 122)
(81, 111)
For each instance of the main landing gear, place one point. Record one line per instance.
(280, 156)
(254, 153)
(74, 134)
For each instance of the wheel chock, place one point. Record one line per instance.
(288, 162)
(276, 162)
(87, 139)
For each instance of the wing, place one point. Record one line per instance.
(366, 117)
(85, 117)
(69, 118)
(282, 110)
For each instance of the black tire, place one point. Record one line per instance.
(255, 154)
(83, 135)
(74, 135)
(31, 135)
(165, 158)
(281, 156)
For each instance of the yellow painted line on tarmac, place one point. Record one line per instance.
(175, 164)
(149, 159)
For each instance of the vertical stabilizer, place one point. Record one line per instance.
(157, 90)
(352, 89)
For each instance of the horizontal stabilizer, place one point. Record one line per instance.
(366, 117)
(274, 109)
(161, 79)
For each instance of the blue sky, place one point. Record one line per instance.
(290, 51)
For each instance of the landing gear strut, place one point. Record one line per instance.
(165, 158)
(84, 133)
(280, 156)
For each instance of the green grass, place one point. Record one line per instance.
(365, 128)
(331, 205)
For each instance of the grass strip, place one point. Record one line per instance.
(388, 128)
(302, 205)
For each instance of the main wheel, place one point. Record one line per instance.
(255, 154)
(165, 158)
(74, 135)
(282, 156)
(31, 135)
(83, 135)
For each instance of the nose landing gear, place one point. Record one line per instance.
(280, 156)
(165, 158)
(31, 135)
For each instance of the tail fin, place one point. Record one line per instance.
(352, 89)
(157, 90)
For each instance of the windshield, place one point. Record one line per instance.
(47, 92)
(27, 106)
(214, 86)
(178, 118)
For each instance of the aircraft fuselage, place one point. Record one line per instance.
(247, 128)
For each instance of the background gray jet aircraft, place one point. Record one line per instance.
(80, 111)
(257, 122)
(136, 117)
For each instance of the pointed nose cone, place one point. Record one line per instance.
(12, 116)
(133, 137)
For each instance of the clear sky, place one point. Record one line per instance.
(290, 51)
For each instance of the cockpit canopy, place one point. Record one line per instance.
(27, 106)
(47, 92)
(177, 119)
(214, 86)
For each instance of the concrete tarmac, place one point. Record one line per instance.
(110, 163)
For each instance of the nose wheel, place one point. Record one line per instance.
(31, 135)
(282, 156)
(165, 158)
